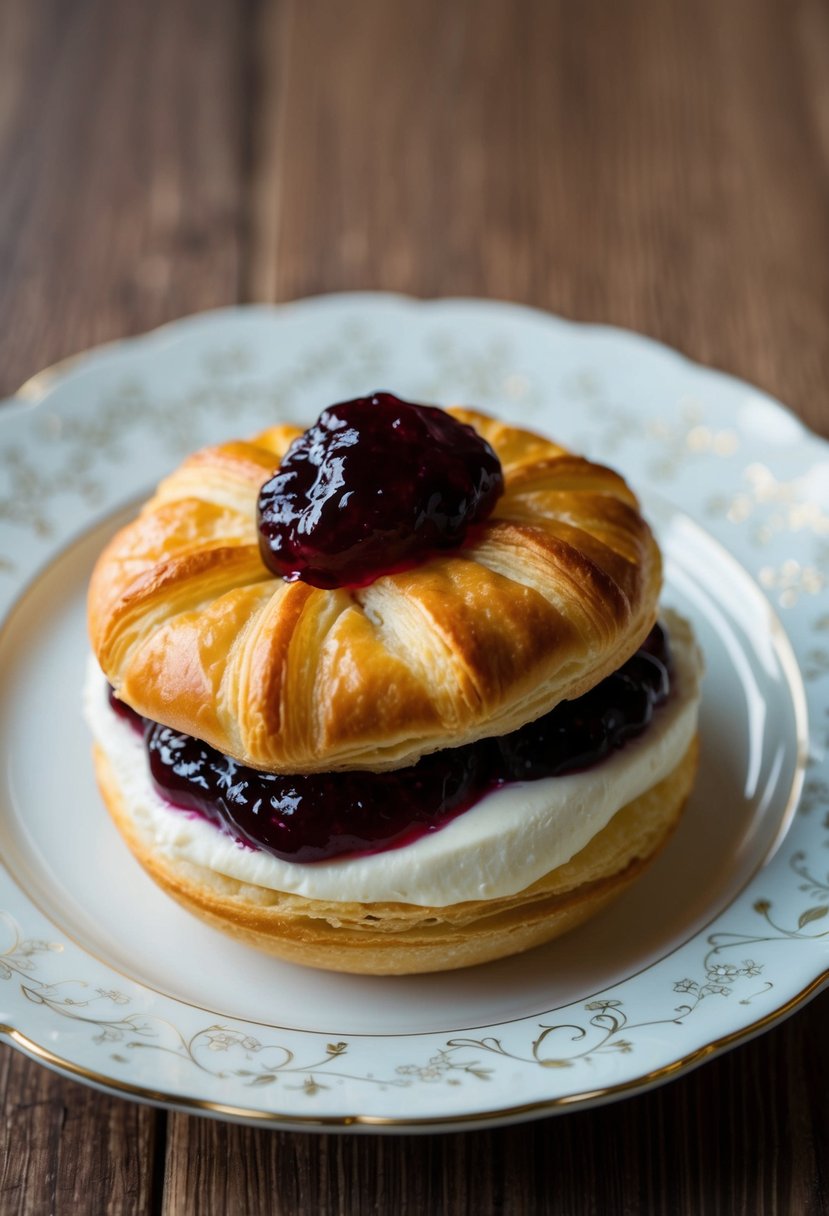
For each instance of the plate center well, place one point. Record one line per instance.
(64, 852)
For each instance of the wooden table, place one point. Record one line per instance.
(657, 165)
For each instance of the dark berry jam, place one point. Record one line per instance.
(578, 734)
(311, 818)
(375, 485)
(123, 711)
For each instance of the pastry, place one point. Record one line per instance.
(409, 659)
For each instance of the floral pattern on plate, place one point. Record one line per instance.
(81, 442)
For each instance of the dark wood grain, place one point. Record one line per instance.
(655, 164)
(122, 145)
(662, 166)
(68, 1149)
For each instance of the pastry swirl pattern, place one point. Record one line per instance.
(554, 591)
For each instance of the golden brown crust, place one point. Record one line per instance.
(553, 593)
(396, 939)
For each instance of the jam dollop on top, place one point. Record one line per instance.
(373, 486)
(319, 816)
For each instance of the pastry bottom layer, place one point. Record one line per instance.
(402, 939)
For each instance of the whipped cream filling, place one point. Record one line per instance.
(505, 842)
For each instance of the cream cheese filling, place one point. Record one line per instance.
(507, 841)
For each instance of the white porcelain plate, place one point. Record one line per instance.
(102, 977)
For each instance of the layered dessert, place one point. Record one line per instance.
(391, 694)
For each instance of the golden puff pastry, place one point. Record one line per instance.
(555, 590)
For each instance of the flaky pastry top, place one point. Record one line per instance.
(548, 596)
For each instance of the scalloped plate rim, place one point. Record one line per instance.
(32, 394)
(166, 333)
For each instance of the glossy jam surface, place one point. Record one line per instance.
(311, 818)
(374, 485)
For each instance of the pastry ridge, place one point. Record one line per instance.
(550, 594)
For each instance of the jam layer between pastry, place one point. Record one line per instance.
(315, 817)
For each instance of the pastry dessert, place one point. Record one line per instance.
(389, 695)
